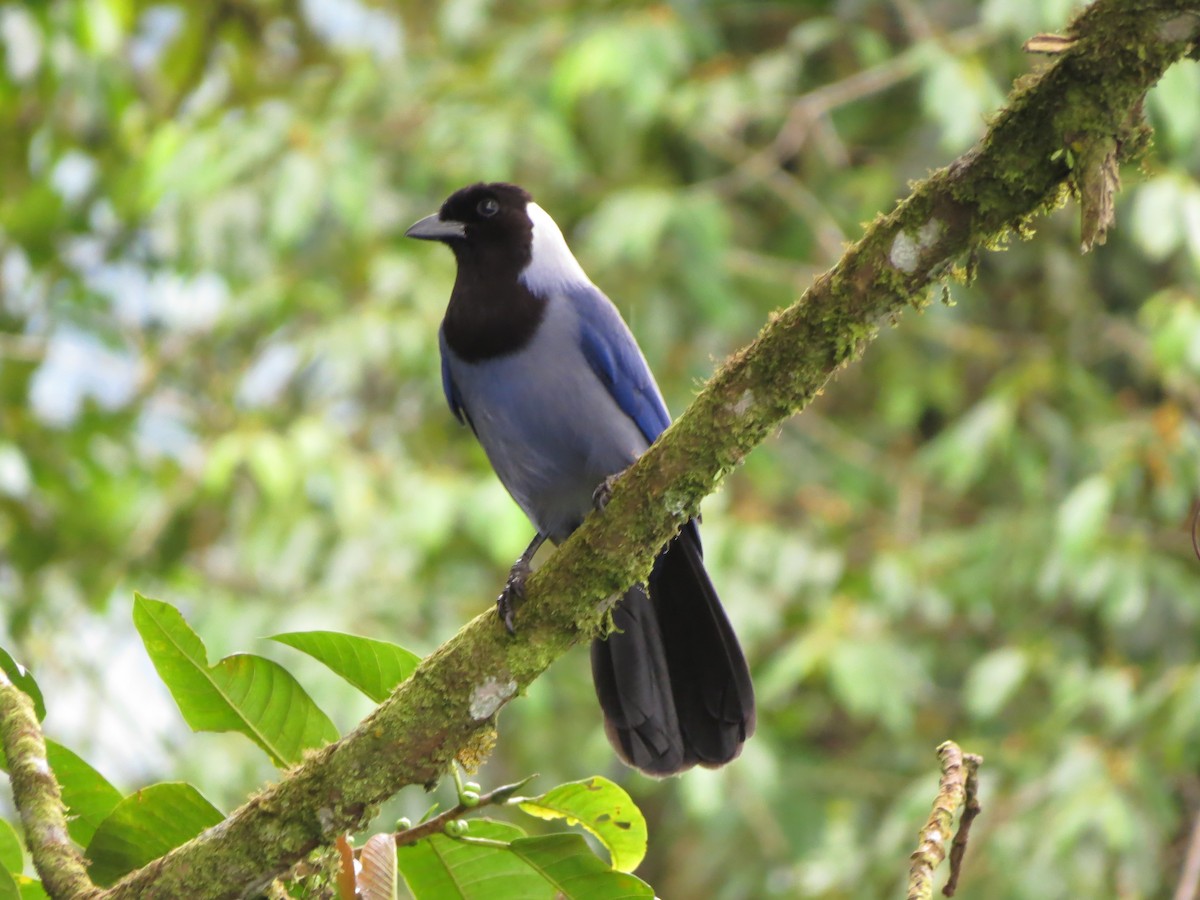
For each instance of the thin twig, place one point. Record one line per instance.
(1196, 531)
(762, 167)
(437, 824)
(809, 111)
(822, 100)
(1189, 877)
(971, 809)
(37, 796)
(916, 20)
(218, 15)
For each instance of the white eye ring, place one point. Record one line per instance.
(488, 207)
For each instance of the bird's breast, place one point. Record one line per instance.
(549, 426)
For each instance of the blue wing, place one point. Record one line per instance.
(614, 356)
(451, 392)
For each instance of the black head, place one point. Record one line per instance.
(488, 226)
(482, 220)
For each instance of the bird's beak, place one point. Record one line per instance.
(432, 228)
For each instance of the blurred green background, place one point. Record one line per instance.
(219, 386)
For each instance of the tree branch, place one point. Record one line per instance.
(436, 825)
(37, 796)
(958, 787)
(971, 809)
(1189, 876)
(447, 708)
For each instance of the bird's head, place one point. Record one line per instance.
(479, 214)
(497, 228)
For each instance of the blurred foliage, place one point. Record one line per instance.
(218, 385)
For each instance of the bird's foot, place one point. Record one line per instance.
(514, 588)
(513, 593)
(604, 489)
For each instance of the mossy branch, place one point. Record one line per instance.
(37, 796)
(1118, 49)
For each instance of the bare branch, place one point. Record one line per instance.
(1189, 878)
(971, 809)
(931, 848)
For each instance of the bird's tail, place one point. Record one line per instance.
(672, 680)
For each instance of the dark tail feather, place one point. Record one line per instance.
(673, 682)
(634, 687)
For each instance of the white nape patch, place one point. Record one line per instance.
(552, 266)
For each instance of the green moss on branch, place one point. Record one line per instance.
(37, 796)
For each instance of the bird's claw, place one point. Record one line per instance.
(604, 489)
(513, 593)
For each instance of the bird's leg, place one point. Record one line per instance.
(514, 588)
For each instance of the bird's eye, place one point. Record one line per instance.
(488, 207)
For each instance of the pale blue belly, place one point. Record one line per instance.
(550, 429)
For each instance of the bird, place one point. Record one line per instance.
(539, 363)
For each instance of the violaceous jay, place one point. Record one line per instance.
(541, 366)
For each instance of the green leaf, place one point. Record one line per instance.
(243, 692)
(145, 825)
(299, 195)
(570, 867)
(11, 857)
(8, 886)
(958, 93)
(21, 677)
(874, 677)
(374, 667)
(630, 226)
(993, 679)
(1156, 219)
(87, 794)
(962, 454)
(442, 867)
(1083, 515)
(275, 469)
(495, 861)
(1174, 101)
(20, 887)
(1172, 320)
(604, 809)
